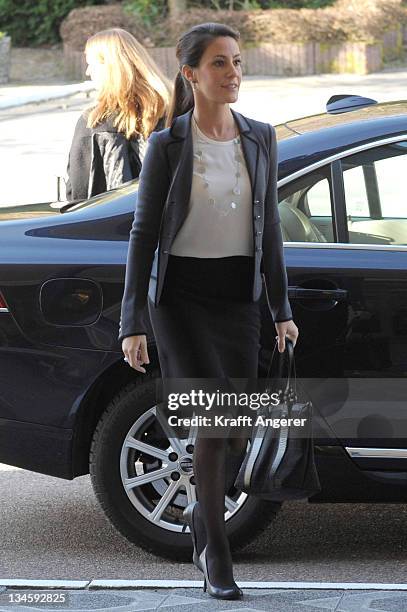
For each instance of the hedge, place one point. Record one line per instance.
(84, 22)
(264, 4)
(346, 20)
(150, 12)
(32, 23)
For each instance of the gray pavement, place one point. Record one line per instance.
(56, 539)
(186, 599)
(55, 529)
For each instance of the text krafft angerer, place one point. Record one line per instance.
(207, 401)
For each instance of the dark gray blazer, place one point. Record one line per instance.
(162, 205)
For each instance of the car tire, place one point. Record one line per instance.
(130, 512)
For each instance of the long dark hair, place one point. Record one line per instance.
(189, 50)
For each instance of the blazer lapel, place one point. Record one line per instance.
(180, 155)
(250, 148)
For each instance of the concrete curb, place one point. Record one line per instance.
(175, 584)
(52, 92)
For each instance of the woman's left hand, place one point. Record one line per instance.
(289, 329)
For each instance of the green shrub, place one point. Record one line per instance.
(230, 5)
(246, 5)
(36, 23)
(148, 12)
(296, 4)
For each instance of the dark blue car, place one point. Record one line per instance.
(70, 405)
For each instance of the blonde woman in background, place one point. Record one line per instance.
(132, 99)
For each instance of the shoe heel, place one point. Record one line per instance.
(188, 522)
(204, 585)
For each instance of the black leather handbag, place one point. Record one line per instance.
(279, 464)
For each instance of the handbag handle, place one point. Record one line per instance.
(288, 393)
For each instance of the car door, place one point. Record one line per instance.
(345, 231)
(318, 300)
(376, 348)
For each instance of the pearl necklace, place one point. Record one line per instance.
(220, 206)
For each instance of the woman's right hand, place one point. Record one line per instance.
(135, 350)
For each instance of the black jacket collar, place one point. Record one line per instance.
(181, 124)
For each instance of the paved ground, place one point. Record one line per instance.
(186, 599)
(53, 528)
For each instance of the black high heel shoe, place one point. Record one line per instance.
(188, 515)
(233, 592)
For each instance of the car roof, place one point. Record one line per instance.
(304, 141)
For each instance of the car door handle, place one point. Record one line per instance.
(339, 295)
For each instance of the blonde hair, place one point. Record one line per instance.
(135, 90)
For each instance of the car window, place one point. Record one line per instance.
(376, 200)
(305, 209)
(356, 197)
(319, 199)
(391, 189)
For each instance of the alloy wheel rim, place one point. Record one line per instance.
(157, 472)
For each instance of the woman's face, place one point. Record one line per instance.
(219, 73)
(96, 69)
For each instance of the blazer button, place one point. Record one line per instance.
(258, 249)
(258, 216)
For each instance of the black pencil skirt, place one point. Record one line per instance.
(206, 325)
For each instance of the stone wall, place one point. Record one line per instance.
(5, 46)
(36, 65)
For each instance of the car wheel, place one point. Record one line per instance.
(142, 475)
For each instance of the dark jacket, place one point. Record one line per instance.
(162, 205)
(100, 159)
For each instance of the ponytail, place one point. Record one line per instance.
(182, 99)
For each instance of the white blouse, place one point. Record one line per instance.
(219, 221)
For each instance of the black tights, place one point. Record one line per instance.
(212, 481)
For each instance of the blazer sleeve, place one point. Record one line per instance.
(144, 234)
(79, 161)
(274, 269)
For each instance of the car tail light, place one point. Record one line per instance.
(3, 305)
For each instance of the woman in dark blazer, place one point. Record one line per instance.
(206, 229)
